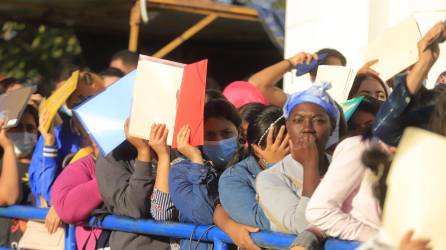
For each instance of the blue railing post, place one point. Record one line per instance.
(70, 237)
(220, 245)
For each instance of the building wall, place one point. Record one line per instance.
(348, 25)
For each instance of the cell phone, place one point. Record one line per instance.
(303, 68)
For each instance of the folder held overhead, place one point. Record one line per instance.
(341, 79)
(58, 98)
(104, 115)
(170, 93)
(396, 49)
(12, 105)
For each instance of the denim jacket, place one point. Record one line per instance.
(238, 196)
(194, 192)
(402, 110)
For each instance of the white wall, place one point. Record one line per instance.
(348, 25)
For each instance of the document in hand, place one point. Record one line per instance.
(396, 49)
(12, 105)
(170, 93)
(104, 115)
(415, 189)
(58, 98)
(341, 79)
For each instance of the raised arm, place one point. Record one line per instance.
(266, 79)
(9, 179)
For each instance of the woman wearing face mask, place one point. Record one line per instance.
(285, 189)
(24, 138)
(193, 182)
(268, 144)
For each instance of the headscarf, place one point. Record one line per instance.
(240, 93)
(316, 94)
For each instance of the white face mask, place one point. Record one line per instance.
(24, 143)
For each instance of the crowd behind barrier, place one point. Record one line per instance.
(168, 229)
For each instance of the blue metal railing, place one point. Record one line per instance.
(168, 229)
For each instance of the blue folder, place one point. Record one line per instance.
(104, 115)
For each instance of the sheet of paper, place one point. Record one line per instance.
(104, 115)
(155, 96)
(415, 189)
(341, 79)
(58, 98)
(396, 49)
(191, 102)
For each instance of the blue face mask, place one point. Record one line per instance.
(220, 152)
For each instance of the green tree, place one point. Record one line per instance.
(34, 51)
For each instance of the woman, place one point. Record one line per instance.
(368, 84)
(126, 179)
(363, 116)
(74, 207)
(268, 144)
(193, 179)
(311, 119)
(17, 145)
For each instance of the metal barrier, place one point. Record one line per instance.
(168, 229)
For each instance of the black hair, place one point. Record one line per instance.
(262, 123)
(330, 53)
(127, 57)
(212, 84)
(379, 163)
(250, 111)
(222, 108)
(258, 129)
(212, 94)
(358, 81)
(64, 71)
(437, 123)
(33, 112)
(110, 71)
(7, 82)
(368, 104)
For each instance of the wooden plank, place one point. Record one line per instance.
(185, 36)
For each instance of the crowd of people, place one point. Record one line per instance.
(290, 163)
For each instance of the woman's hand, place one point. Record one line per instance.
(428, 49)
(407, 243)
(158, 140)
(52, 221)
(366, 68)
(141, 145)
(183, 146)
(5, 142)
(305, 151)
(302, 57)
(48, 136)
(275, 150)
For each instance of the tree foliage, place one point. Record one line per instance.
(34, 51)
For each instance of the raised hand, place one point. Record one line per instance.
(366, 68)
(275, 150)
(48, 136)
(183, 146)
(302, 57)
(5, 142)
(158, 140)
(141, 145)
